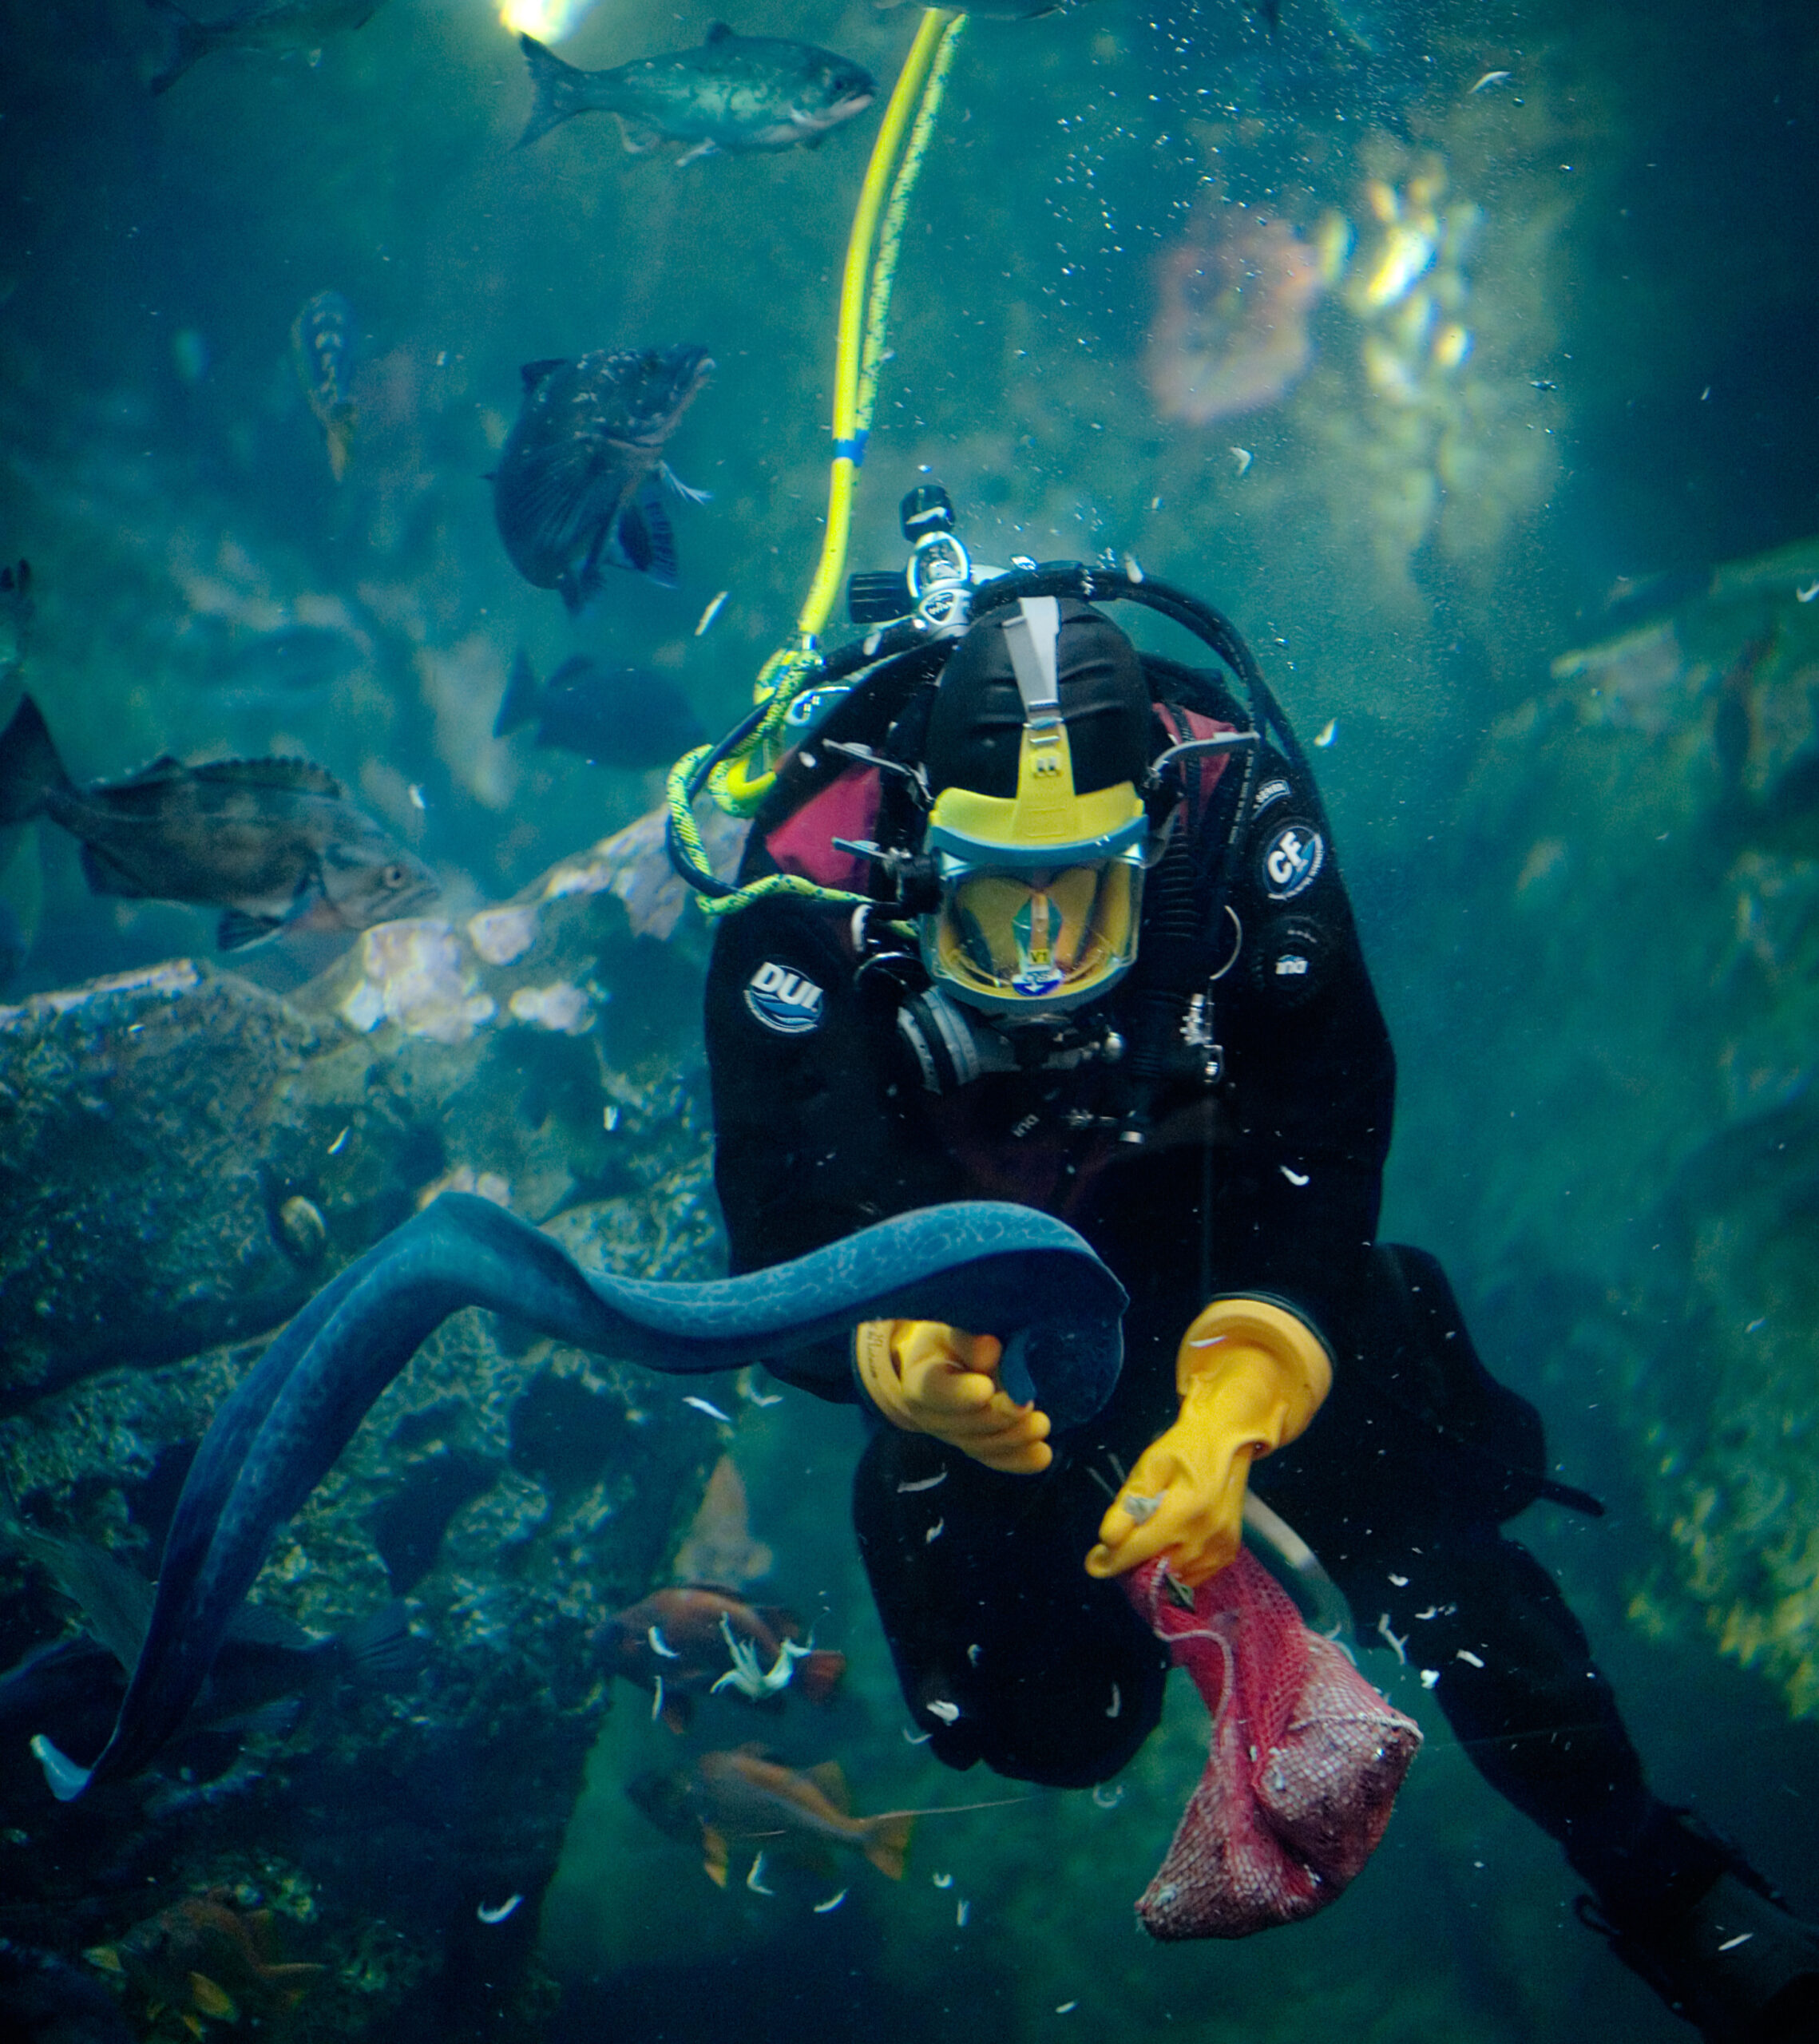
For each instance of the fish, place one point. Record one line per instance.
(16, 609)
(998, 10)
(299, 657)
(608, 716)
(684, 1633)
(322, 338)
(207, 1956)
(580, 481)
(279, 25)
(734, 93)
(744, 1794)
(719, 1547)
(76, 1683)
(273, 843)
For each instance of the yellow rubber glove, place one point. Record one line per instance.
(1251, 1375)
(929, 1378)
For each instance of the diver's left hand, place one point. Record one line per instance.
(1251, 1375)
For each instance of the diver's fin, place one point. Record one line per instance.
(236, 928)
(553, 85)
(887, 1840)
(30, 768)
(67, 1781)
(522, 699)
(190, 39)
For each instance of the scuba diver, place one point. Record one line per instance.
(1027, 915)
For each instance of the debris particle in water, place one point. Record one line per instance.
(498, 1916)
(942, 1880)
(1107, 1795)
(962, 1911)
(755, 1880)
(712, 612)
(926, 1483)
(1328, 731)
(416, 793)
(712, 1411)
(334, 1148)
(1489, 78)
(833, 1902)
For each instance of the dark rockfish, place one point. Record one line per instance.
(580, 481)
(608, 716)
(735, 92)
(273, 843)
(279, 25)
(322, 347)
(683, 1635)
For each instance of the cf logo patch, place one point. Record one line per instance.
(1292, 860)
(783, 1000)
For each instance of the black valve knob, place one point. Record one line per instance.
(927, 509)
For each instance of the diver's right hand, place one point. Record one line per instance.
(929, 1378)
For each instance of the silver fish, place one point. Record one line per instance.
(273, 843)
(280, 25)
(735, 92)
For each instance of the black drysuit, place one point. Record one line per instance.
(1266, 1180)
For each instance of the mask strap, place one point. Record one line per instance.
(1031, 636)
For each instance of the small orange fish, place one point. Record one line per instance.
(742, 1795)
(206, 1957)
(685, 1637)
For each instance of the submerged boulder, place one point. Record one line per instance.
(184, 1158)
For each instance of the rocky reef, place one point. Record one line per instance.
(187, 1157)
(1643, 864)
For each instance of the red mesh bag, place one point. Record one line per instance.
(1304, 1763)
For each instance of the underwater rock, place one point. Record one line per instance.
(1646, 839)
(184, 1158)
(154, 1126)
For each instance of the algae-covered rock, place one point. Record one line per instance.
(186, 1159)
(184, 1156)
(1646, 835)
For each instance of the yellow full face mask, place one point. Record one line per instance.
(1022, 940)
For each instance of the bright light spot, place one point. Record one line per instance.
(547, 20)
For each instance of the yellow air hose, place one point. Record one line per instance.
(740, 781)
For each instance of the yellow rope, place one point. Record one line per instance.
(859, 348)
